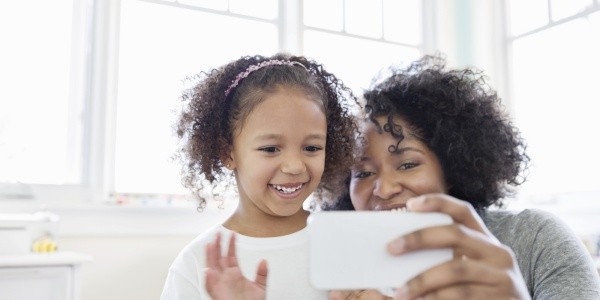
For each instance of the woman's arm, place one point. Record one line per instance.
(559, 265)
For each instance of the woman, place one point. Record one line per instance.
(437, 139)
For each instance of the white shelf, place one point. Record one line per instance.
(59, 258)
(42, 276)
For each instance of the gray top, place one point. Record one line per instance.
(552, 259)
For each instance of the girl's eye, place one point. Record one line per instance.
(408, 165)
(313, 148)
(270, 149)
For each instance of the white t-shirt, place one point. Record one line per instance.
(286, 256)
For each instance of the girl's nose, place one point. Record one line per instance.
(387, 188)
(293, 165)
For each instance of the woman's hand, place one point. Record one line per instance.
(224, 279)
(482, 267)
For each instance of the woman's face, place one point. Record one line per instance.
(383, 180)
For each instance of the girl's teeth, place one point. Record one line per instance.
(286, 190)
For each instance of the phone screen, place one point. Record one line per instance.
(347, 249)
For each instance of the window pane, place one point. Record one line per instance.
(266, 9)
(363, 17)
(565, 8)
(40, 129)
(594, 20)
(212, 4)
(324, 14)
(402, 21)
(154, 58)
(556, 104)
(527, 15)
(356, 65)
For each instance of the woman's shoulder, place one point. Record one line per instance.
(551, 256)
(529, 218)
(527, 224)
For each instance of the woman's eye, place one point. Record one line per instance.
(269, 149)
(408, 165)
(313, 148)
(362, 174)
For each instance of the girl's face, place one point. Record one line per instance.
(278, 154)
(383, 180)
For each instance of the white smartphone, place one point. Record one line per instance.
(347, 249)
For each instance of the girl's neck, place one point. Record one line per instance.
(265, 225)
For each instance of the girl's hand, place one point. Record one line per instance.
(357, 295)
(224, 279)
(482, 267)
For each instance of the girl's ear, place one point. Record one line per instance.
(229, 164)
(228, 161)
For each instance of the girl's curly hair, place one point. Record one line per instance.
(209, 119)
(457, 115)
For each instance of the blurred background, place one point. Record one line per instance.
(88, 91)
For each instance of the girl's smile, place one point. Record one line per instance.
(288, 190)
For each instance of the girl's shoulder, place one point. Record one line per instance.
(194, 250)
(197, 245)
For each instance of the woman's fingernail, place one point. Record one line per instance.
(396, 247)
(415, 201)
(401, 293)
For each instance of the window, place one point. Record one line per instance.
(335, 33)
(94, 85)
(154, 58)
(554, 48)
(44, 82)
(174, 45)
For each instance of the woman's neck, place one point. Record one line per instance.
(264, 225)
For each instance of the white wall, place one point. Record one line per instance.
(124, 267)
(132, 247)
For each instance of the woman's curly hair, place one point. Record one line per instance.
(209, 119)
(461, 119)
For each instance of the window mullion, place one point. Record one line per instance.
(101, 105)
(503, 64)
(429, 27)
(290, 26)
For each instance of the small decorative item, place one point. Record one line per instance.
(23, 233)
(44, 244)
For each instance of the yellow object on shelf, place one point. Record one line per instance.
(22, 233)
(44, 245)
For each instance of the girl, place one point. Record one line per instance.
(434, 136)
(281, 126)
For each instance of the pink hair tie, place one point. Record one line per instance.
(252, 68)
